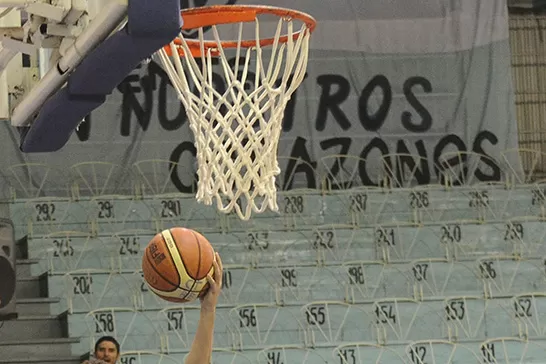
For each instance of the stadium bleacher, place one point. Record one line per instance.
(405, 275)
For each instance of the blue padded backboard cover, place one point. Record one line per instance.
(149, 28)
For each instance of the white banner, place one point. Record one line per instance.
(417, 86)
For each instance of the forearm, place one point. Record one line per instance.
(201, 348)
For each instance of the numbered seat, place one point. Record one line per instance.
(503, 275)
(89, 289)
(240, 284)
(356, 206)
(440, 352)
(329, 244)
(336, 244)
(246, 284)
(268, 247)
(66, 251)
(530, 314)
(491, 201)
(146, 357)
(403, 319)
(472, 240)
(502, 203)
(135, 330)
(111, 213)
(388, 206)
(128, 246)
(465, 204)
(339, 243)
(183, 210)
(370, 206)
(254, 246)
(473, 317)
(479, 202)
(429, 203)
(169, 197)
(297, 209)
(47, 215)
(441, 277)
(526, 234)
(290, 354)
(366, 352)
(178, 325)
(516, 316)
(378, 206)
(408, 242)
(522, 200)
(460, 168)
(260, 325)
(250, 248)
(508, 350)
(294, 284)
(532, 199)
(329, 322)
(369, 280)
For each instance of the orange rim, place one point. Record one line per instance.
(228, 14)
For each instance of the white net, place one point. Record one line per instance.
(237, 118)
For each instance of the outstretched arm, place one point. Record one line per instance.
(201, 348)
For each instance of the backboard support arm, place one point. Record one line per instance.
(98, 29)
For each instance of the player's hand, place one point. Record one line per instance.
(210, 299)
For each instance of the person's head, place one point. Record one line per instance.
(107, 349)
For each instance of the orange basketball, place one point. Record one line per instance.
(176, 263)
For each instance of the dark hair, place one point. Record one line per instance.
(107, 338)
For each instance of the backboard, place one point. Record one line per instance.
(61, 59)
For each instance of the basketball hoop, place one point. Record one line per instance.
(237, 130)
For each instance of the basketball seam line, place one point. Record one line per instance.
(175, 245)
(181, 256)
(188, 291)
(198, 259)
(176, 286)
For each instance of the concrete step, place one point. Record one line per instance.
(35, 327)
(36, 348)
(23, 267)
(36, 306)
(31, 287)
(42, 360)
(21, 248)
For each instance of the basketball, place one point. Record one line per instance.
(176, 263)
